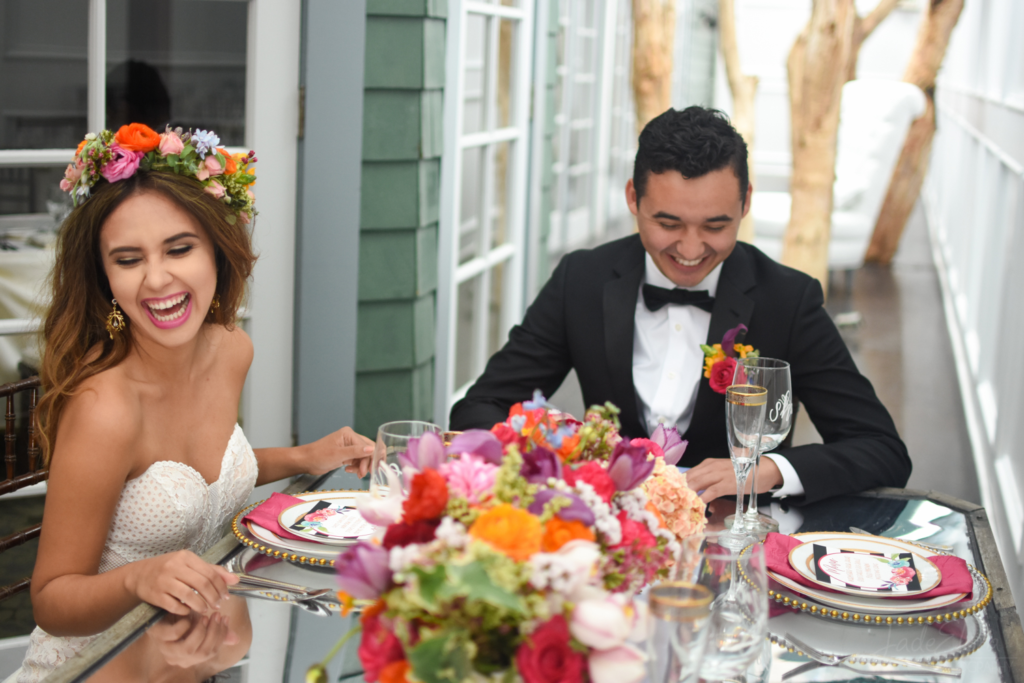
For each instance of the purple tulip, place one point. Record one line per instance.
(363, 571)
(539, 465)
(729, 339)
(672, 445)
(629, 466)
(424, 453)
(576, 511)
(478, 442)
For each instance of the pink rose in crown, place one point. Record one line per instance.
(122, 164)
(721, 374)
(216, 189)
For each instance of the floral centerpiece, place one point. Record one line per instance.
(515, 553)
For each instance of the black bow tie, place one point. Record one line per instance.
(656, 297)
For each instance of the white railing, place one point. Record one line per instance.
(974, 198)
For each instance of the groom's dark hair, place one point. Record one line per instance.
(695, 142)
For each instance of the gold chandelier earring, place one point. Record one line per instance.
(214, 305)
(115, 321)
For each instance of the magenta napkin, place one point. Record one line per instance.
(956, 577)
(266, 513)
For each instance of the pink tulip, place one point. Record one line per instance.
(65, 185)
(601, 623)
(212, 165)
(170, 143)
(671, 443)
(216, 189)
(622, 664)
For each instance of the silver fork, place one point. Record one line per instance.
(309, 604)
(841, 660)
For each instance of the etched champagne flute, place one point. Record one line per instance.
(744, 420)
(774, 375)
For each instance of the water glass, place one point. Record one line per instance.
(678, 614)
(392, 439)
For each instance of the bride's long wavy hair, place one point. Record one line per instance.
(76, 344)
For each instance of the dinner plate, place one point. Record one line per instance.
(327, 517)
(867, 566)
(859, 603)
(307, 547)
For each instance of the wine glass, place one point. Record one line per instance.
(678, 617)
(773, 375)
(393, 438)
(738, 623)
(744, 420)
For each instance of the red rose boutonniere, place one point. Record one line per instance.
(720, 359)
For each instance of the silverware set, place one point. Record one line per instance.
(312, 600)
(893, 666)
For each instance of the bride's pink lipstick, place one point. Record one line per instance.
(174, 310)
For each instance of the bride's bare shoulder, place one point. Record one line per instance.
(232, 348)
(105, 409)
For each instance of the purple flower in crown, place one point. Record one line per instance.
(423, 453)
(575, 511)
(539, 465)
(204, 141)
(629, 467)
(672, 445)
(479, 442)
(363, 571)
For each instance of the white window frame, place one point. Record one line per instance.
(451, 274)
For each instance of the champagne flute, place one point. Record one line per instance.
(678, 617)
(744, 420)
(393, 438)
(773, 375)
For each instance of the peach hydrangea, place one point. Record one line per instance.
(679, 505)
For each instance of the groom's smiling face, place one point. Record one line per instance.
(689, 225)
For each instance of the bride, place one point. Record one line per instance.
(143, 370)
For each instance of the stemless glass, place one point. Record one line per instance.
(773, 375)
(738, 623)
(392, 439)
(744, 420)
(678, 616)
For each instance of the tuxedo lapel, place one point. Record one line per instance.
(619, 307)
(732, 307)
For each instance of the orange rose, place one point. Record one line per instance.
(514, 532)
(395, 672)
(229, 162)
(558, 532)
(80, 146)
(137, 137)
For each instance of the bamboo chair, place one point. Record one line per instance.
(13, 480)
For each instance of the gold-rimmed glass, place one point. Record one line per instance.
(744, 420)
(679, 613)
(393, 438)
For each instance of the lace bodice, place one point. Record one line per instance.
(168, 507)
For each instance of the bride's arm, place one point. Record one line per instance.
(91, 462)
(343, 447)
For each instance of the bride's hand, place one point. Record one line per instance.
(342, 448)
(180, 583)
(186, 641)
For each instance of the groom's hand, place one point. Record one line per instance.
(716, 478)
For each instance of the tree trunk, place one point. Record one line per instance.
(654, 30)
(744, 92)
(905, 186)
(863, 28)
(818, 66)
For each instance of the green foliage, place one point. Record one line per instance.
(509, 486)
(445, 658)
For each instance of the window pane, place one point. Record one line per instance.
(506, 36)
(496, 332)
(33, 190)
(499, 212)
(471, 219)
(473, 65)
(466, 351)
(43, 92)
(180, 62)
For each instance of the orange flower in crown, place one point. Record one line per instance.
(137, 137)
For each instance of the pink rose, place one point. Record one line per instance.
(470, 477)
(122, 164)
(216, 189)
(601, 623)
(212, 165)
(65, 185)
(721, 374)
(622, 664)
(72, 173)
(378, 648)
(170, 143)
(252, 197)
(244, 217)
(202, 173)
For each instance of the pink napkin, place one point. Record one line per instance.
(266, 514)
(956, 578)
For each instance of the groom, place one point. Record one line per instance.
(618, 316)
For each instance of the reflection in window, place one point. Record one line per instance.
(177, 62)
(43, 92)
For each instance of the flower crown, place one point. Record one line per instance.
(116, 156)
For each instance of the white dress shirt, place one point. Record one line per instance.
(668, 364)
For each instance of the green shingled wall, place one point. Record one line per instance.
(399, 202)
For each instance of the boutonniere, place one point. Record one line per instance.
(720, 359)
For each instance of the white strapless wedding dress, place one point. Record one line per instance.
(169, 507)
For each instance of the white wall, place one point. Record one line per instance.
(973, 196)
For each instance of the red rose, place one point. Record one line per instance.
(378, 648)
(428, 497)
(592, 473)
(546, 657)
(721, 374)
(636, 536)
(403, 533)
(506, 435)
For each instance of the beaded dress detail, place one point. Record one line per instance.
(168, 507)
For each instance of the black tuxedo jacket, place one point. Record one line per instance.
(583, 319)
